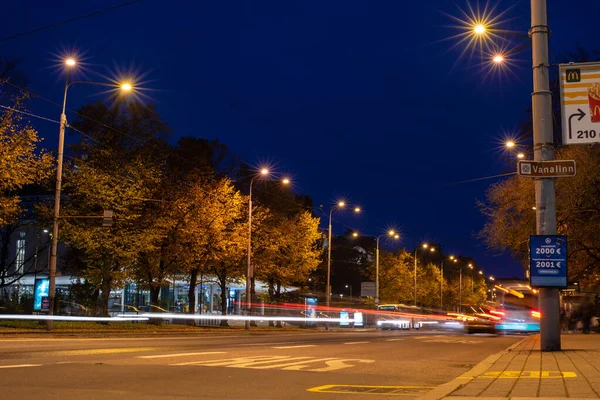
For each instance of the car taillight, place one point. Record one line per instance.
(536, 314)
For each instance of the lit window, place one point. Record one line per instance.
(20, 259)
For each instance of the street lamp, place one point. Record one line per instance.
(451, 258)
(340, 204)
(390, 233)
(542, 128)
(350, 287)
(70, 63)
(264, 172)
(424, 246)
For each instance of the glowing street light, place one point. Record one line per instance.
(520, 156)
(355, 234)
(391, 233)
(479, 29)
(423, 246)
(285, 181)
(126, 86)
(264, 171)
(69, 63)
(510, 144)
(498, 59)
(340, 204)
(451, 258)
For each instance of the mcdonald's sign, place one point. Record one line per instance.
(573, 75)
(580, 102)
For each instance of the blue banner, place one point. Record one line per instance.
(548, 261)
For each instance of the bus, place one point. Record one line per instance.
(399, 316)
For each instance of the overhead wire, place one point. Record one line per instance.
(78, 18)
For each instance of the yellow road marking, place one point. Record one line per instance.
(295, 347)
(393, 340)
(182, 354)
(370, 389)
(285, 363)
(528, 374)
(356, 342)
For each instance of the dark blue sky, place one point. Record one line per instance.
(356, 98)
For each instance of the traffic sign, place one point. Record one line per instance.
(548, 261)
(45, 304)
(367, 289)
(546, 169)
(580, 100)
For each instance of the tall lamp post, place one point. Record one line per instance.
(390, 233)
(424, 246)
(542, 124)
(264, 172)
(126, 87)
(340, 204)
(451, 258)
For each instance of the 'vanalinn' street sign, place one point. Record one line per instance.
(546, 169)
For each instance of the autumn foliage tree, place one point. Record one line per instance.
(510, 217)
(22, 163)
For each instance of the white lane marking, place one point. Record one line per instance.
(295, 347)
(182, 354)
(452, 341)
(426, 337)
(393, 340)
(20, 366)
(356, 342)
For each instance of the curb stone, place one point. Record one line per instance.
(445, 389)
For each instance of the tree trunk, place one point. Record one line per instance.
(253, 291)
(278, 294)
(105, 286)
(271, 283)
(192, 294)
(223, 285)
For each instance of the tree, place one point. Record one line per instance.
(510, 218)
(286, 250)
(396, 281)
(210, 234)
(120, 166)
(21, 162)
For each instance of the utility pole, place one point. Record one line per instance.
(545, 201)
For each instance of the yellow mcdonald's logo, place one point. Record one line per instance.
(596, 111)
(573, 75)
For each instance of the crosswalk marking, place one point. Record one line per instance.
(285, 363)
(182, 354)
(295, 347)
(356, 342)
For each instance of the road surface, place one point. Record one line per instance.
(256, 365)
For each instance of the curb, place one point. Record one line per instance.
(445, 389)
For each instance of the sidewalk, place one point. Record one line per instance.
(523, 371)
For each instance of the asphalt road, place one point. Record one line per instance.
(239, 365)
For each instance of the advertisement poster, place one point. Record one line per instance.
(41, 289)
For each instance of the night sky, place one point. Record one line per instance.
(357, 99)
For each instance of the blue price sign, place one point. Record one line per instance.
(548, 261)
